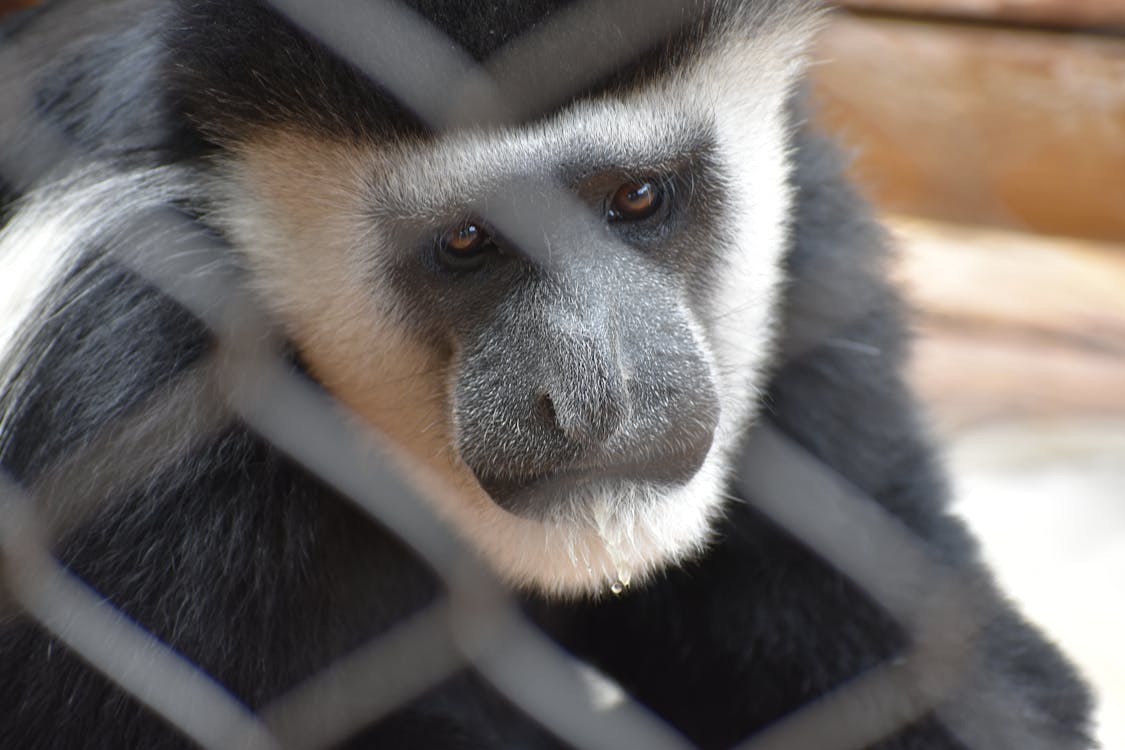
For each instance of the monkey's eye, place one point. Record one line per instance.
(465, 247)
(635, 201)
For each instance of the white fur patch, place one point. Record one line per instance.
(307, 215)
(50, 228)
(31, 257)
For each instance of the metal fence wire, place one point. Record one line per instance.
(476, 623)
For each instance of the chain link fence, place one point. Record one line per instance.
(476, 623)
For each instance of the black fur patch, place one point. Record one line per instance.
(241, 64)
(8, 196)
(256, 571)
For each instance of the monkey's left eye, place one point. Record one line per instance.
(465, 247)
(635, 201)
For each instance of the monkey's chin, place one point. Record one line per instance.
(603, 538)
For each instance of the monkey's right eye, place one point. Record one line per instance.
(465, 247)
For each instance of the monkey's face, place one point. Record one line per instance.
(567, 321)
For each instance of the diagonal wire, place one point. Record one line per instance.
(447, 89)
(318, 432)
(140, 444)
(420, 67)
(360, 689)
(136, 661)
(517, 82)
(943, 609)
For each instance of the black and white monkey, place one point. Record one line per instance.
(590, 381)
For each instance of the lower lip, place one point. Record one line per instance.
(548, 495)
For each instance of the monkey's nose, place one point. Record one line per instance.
(582, 394)
(587, 417)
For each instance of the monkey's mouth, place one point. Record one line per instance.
(562, 492)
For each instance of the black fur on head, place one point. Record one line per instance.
(235, 64)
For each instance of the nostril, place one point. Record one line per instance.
(547, 409)
(589, 422)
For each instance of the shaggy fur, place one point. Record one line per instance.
(750, 312)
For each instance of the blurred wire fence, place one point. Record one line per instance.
(477, 623)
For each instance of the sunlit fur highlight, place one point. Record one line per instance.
(44, 238)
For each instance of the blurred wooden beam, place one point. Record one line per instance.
(971, 380)
(1018, 128)
(1013, 326)
(1039, 288)
(1049, 12)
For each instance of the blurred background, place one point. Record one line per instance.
(991, 135)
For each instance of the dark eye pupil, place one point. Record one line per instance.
(634, 201)
(466, 247)
(464, 239)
